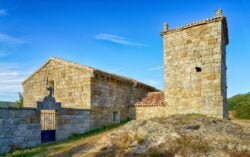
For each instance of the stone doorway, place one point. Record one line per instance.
(116, 117)
(48, 126)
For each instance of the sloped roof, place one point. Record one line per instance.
(91, 69)
(151, 100)
(202, 22)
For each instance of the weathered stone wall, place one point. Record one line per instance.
(81, 87)
(109, 96)
(71, 85)
(146, 112)
(71, 121)
(19, 128)
(152, 105)
(195, 68)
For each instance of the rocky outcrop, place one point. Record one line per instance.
(189, 135)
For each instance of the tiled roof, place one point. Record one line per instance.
(151, 100)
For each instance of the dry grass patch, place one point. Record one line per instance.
(195, 144)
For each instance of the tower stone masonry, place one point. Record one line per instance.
(195, 67)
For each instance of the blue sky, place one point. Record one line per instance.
(117, 36)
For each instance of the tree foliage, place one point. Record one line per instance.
(19, 103)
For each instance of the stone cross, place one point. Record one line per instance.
(165, 26)
(50, 89)
(218, 13)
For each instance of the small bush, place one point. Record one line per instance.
(140, 140)
(193, 143)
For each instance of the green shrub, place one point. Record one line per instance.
(240, 104)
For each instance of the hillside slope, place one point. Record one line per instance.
(189, 135)
(240, 106)
(178, 135)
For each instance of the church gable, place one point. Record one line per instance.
(71, 84)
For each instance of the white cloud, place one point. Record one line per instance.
(8, 66)
(10, 40)
(3, 12)
(9, 43)
(155, 68)
(8, 74)
(11, 77)
(117, 39)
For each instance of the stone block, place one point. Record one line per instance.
(5, 149)
(4, 141)
(4, 113)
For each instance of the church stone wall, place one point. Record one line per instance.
(71, 121)
(110, 96)
(71, 85)
(195, 69)
(153, 105)
(81, 87)
(146, 112)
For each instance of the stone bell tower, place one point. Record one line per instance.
(195, 67)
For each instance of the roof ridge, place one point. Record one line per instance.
(57, 59)
(74, 65)
(100, 71)
(196, 23)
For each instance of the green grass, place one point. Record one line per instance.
(240, 105)
(7, 104)
(45, 149)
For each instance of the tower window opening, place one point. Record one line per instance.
(198, 69)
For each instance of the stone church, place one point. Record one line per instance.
(82, 98)
(81, 87)
(194, 76)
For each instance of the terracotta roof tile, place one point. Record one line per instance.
(151, 100)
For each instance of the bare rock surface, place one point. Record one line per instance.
(189, 135)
